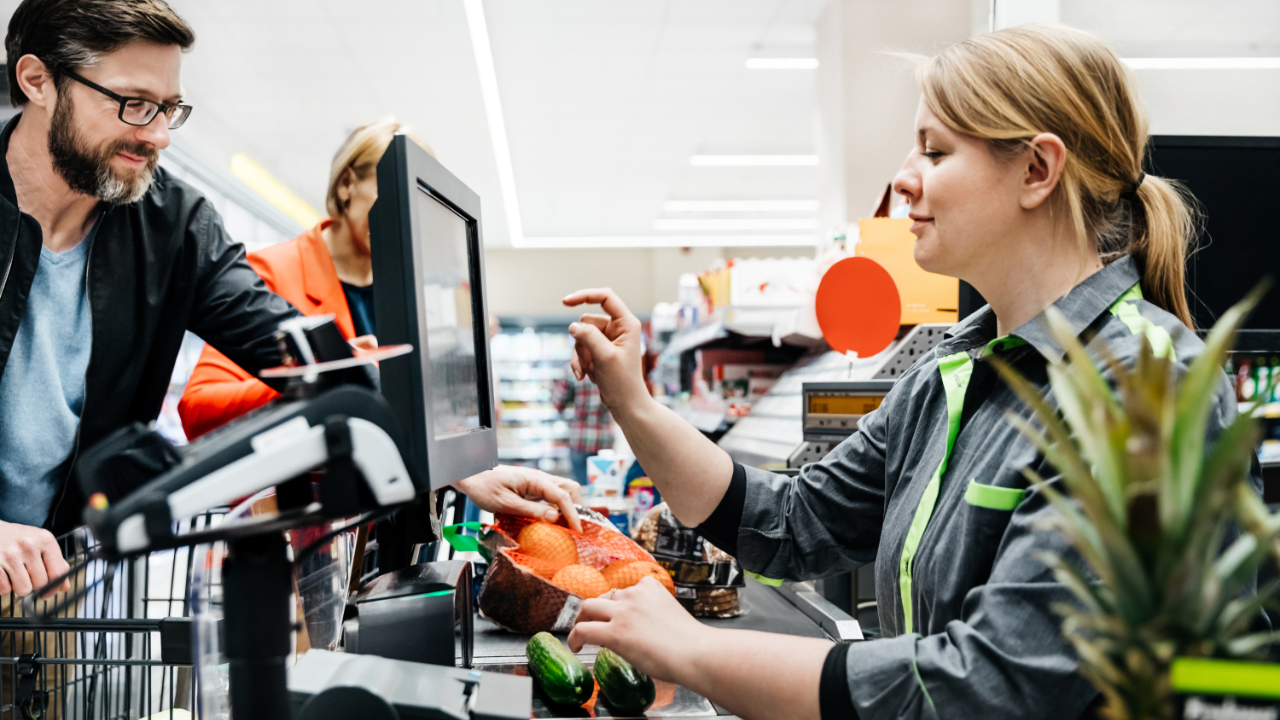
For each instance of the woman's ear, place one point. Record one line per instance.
(1044, 159)
(345, 181)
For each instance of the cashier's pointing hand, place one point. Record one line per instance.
(520, 491)
(638, 623)
(608, 348)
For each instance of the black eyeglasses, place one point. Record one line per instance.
(140, 111)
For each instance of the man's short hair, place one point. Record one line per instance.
(70, 34)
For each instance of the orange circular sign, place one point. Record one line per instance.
(858, 307)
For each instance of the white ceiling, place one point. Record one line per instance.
(604, 102)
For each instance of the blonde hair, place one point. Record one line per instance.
(1014, 84)
(360, 154)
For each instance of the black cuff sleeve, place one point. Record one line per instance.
(722, 527)
(834, 701)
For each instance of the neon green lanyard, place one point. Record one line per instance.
(955, 370)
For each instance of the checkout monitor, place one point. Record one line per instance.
(1234, 179)
(428, 284)
(1237, 243)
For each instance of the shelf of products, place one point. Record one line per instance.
(528, 364)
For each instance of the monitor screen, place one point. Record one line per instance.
(447, 307)
(427, 239)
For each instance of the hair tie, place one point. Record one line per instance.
(1132, 193)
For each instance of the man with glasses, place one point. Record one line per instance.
(105, 260)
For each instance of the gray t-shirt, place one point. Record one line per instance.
(42, 389)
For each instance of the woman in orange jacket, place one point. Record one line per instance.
(328, 270)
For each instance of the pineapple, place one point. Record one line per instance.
(1149, 511)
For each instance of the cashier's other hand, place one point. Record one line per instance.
(639, 623)
(607, 347)
(521, 491)
(29, 559)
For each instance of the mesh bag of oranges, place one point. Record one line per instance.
(541, 572)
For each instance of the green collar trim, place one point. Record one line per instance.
(1126, 309)
(1000, 344)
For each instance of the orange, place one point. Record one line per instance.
(548, 542)
(538, 566)
(581, 580)
(625, 573)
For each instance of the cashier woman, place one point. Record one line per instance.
(1025, 181)
(106, 260)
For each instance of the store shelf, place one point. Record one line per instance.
(707, 422)
(774, 429)
(529, 366)
(748, 322)
(533, 452)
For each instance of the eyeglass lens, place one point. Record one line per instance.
(142, 112)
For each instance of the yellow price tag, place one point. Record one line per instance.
(844, 404)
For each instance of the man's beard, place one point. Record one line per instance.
(88, 170)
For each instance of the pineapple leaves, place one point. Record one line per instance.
(1148, 492)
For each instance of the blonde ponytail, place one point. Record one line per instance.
(1162, 220)
(1011, 85)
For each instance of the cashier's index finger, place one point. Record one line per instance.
(606, 298)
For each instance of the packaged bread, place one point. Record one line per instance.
(706, 578)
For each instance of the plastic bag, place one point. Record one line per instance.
(516, 598)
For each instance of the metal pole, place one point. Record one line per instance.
(256, 589)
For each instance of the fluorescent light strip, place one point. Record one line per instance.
(740, 206)
(1222, 63)
(752, 160)
(266, 185)
(493, 110)
(737, 224)
(807, 63)
(652, 241)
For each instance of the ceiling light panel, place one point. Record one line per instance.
(794, 63)
(1204, 63)
(740, 206)
(736, 224)
(753, 160)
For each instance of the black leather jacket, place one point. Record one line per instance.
(158, 267)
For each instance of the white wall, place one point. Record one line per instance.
(877, 94)
(1194, 102)
(532, 282)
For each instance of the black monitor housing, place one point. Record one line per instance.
(1233, 179)
(1237, 243)
(428, 288)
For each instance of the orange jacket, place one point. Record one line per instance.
(302, 272)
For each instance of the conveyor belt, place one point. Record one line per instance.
(497, 650)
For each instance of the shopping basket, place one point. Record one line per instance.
(117, 646)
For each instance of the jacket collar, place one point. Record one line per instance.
(1081, 307)
(7, 191)
(319, 276)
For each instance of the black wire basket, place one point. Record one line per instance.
(117, 646)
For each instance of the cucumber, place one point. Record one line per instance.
(561, 674)
(626, 688)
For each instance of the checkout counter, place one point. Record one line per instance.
(793, 609)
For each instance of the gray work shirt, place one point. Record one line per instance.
(985, 640)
